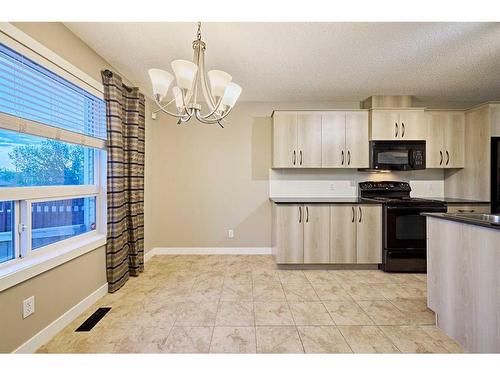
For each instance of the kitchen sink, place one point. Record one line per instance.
(485, 218)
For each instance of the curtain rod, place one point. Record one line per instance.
(108, 73)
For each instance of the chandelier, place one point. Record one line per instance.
(220, 96)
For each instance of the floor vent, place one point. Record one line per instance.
(93, 319)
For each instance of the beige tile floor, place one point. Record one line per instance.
(244, 304)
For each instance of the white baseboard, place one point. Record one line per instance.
(57, 325)
(149, 255)
(207, 251)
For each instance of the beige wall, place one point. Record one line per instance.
(55, 292)
(61, 288)
(203, 180)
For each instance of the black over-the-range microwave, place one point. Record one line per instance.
(397, 155)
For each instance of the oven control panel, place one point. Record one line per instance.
(384, 185)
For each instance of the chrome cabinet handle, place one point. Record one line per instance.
(300, 214)
(342, 157)
(307, 214)
(360, 214)
(294, 157)
(396, 125)
(447, 157)
(348, 157)
(441, 155)
(300, 152)
(352, 220)
(466, 211)
(403, 131)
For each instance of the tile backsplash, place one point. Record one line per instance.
(344, 183)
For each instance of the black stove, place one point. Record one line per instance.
(404, 229)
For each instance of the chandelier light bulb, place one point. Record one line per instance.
(179, 102)
(185, 73)
(218, 82)
(161, 81)
(231, 94)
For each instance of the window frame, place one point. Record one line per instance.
(27, 264)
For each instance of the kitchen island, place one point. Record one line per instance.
(463, 279)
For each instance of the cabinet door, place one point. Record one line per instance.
(285, 140)
(412, 125)
(369, 234)
(289, 233)
(343, 234)
(435, 141)
(333, 139)
(316, 233)
(454, 133)
(357, 146)
(309, 140)
(384, 125)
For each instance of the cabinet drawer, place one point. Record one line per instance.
(469, 208)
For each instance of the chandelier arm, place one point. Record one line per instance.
(163, 106)
(200, 118)
(164, 110)
(214, 110)
(203, 80)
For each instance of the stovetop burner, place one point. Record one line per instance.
(393, 193)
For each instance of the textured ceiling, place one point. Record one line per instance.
(440, 62)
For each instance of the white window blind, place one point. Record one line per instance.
(31, 95)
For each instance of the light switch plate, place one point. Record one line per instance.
(230, 233)
(28, 306)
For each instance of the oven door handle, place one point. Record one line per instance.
(418, 209)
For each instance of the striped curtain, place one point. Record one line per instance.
(125, 129)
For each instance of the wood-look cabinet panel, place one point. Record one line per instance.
(369, 234)
(435, 140)
(309, 140)
(445, 139)
(285, 140)
(316, 233)
(356, 140)
(333, 139)
(289, 233)
(412, 125)
(343, 233)
(384, 125)
(454, 130)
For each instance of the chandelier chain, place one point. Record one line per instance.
(198, 33)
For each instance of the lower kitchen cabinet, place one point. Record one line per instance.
(342, 233)
(369, 234)
(317, 233)
(289, 234)
(327, 233)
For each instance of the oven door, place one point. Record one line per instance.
(405, 228)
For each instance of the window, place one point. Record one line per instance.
(6, 232)
(27, 160)
(53, 221)
(52, 158)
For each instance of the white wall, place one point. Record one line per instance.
(344, 183)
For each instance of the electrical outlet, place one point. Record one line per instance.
(332, 187)
(28, 306)
(230, 233)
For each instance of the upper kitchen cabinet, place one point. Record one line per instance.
(296, 139)
(394, 125)
(284, 140)
(445, 140)
(344, 139)
(309, 140)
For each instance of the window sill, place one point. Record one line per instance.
(18, 272)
